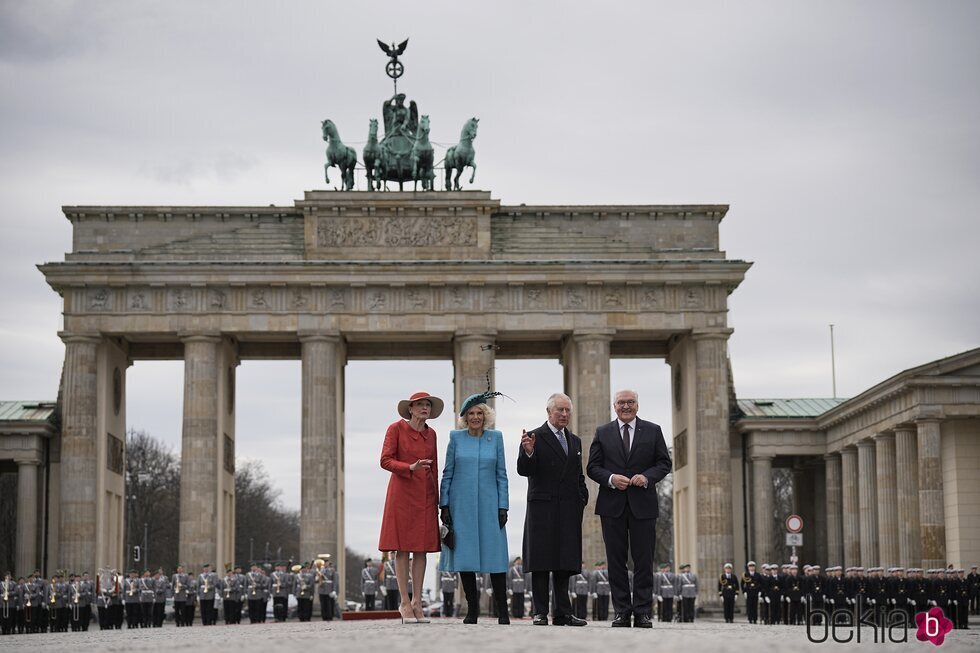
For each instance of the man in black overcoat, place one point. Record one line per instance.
(551, 459)
(627, 459)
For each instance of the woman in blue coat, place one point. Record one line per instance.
(474, 503)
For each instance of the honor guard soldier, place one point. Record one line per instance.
(899, 593)
(253, 593)
(181, 584)
(9, 594)
(42, 617)
(161, 588)
(326, 586)
(665, 591)
(751, 585)
(369, 583)
(794, 596)
(146, 586)
(962, 600)
(878, 594)
(774, 595)
(579, 585)
(207, 587)
(689, 593)
(74, 588)
(131, 599)
(389, 583)
(56, 601)
(282, 587)
(516, 587)
(102, 602)
(601, 591)
(20, 622)
(304, 588)
(816, 592)
(85, 600)
(728, 591)
(918, 590)
(229, 594)
(447, 584)
(240, 600)
(25, 622)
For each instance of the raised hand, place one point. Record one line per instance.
(527, 441)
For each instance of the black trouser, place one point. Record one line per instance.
(7, 617)
(159, 613)
(391, 600)
(209, 616)
(280, 606)
(326, 607)
(132, 615)
(795, 612)
(369, 601)
(447, 603)
(539, 588)
(255, 607)
(752, 606)
(667, 609)
(229, 607)
(180, 610)
(517, 605)
(146, 615)
(775, 608)
(687, 609)
(304, 608)
(728, 606)
(628, 536)
(602, 607)
(582, 606)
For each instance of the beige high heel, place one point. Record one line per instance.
(410, 618)
(419, 615)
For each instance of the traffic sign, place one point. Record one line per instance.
(794, 524)
(794, 539)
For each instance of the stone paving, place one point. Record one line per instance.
(451, 635)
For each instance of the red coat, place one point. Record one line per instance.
(410, 521)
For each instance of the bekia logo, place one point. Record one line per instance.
(932, 626)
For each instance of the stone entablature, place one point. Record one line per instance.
(332, 226)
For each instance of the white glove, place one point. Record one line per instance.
(768, 600)
(594, 595)
(510, 592)
(660, 599)
(333, 595)
(489, 591)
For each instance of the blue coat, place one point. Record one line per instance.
(474, 486)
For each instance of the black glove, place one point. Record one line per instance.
(502, 517)
(444, 515)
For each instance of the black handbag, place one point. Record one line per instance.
(448, 536)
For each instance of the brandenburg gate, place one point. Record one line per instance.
(372, 275)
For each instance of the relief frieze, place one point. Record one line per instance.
(397, 232)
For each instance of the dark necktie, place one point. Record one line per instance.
(626, 438)
(564, 442)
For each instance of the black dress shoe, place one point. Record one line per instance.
(642, 621)
(540, 620)
(622, 620)
(570, 620)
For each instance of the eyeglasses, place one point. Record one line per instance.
(627, 403)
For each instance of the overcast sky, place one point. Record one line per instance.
(844, 135)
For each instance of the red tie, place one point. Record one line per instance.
(626, 438)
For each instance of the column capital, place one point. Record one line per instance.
(480, 334)
(70, 336)
(928, 419)
(833, 455)
(202, 336)
(712, 334)
(25, 461)
(883, 436)
(867, 442)
(904, 428)
(761, 457)
(850, 450)
(319, 336)
(593, 334)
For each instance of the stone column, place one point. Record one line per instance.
(887, 499)
(868, 501)
(26, 560)
(818, 479)
(851, 508)
(834, 498)
(199, 466)
(907, 483)
(591, 406)
(932, 515)
(715, 543)
(320, 493)
(762, 509)
(79, 454)
(473, 359)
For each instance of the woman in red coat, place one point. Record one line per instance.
(410, 523)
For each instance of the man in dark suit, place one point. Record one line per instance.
(627, 459)
(551, 459)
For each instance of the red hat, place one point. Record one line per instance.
(437, 405)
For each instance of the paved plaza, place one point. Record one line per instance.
(451, 635)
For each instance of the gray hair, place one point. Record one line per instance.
(625, 391)
(555, 397)
(489, 417)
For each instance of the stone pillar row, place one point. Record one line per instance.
(890, 506)
(25, 553)
(763, 507)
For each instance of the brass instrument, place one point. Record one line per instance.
(6, 597)
(53, 589)
(251, 577)
(278, 581)
(75, 608)
(227, 590)
(205, 584)
(177, 586)
(132, 587)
